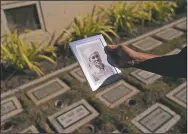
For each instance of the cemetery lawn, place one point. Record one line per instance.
(121, 116)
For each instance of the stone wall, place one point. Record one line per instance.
(55, 15)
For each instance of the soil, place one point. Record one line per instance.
(12, 78)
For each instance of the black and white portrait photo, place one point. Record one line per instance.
(96, 60)
(93, 60)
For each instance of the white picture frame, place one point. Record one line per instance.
(93, 60)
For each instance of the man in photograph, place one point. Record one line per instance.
(98, 68)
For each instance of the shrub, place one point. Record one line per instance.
(153, 11)
(145, 12)
(121, 16)
(162, 10)
(86, 27)
(16, 52)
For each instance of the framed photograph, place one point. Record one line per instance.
(93, 60)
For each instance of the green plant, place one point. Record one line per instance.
(22, 55)
(145, 12)
(162, 10)
(86, 27)
(121, 15)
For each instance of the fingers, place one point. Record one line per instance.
(112, 46)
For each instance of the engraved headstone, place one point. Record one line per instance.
(47, 91)
(117, 93)
(147, 44)
(179, 95)
(156, 119)
(169, 34)
(78, 74)
(71, 118)
(145, 76)
(182, 26)
(10, 107)
(32, 129)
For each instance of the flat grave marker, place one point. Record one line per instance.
(71, 118)
(78, 74)
(179, 95)
(156, 119)
(117, 93)
(47, 91)
(182, 26)
(147, 44)
(10, 107)
(169, 34)
(145, 76)
(31, 129)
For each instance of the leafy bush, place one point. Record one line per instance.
(152, 11)
(86, 27)
(121, 15)
(162, 10)
(22, 55)
(145, 12)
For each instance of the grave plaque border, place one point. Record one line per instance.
(184, 45)
(58, 126)
(18, 108)
(157, 43)
(76, 75)
(31, 128)
(173, 52)
(75, 121)
(162, 128)
(178, 34)
(180, 26)
(149, 80)
(31, 95)
(171, 94)
(133, 91)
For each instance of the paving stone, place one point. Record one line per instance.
(47, 91)
(78, 74)
(145, 76)
(175, 51)
(182, 26)
(71, 118)
(156, 119)
(31, 129)
(147, 44)
(10, 107)
(179, 95)
(169, 34)
(116, 94)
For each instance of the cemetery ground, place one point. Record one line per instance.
(108, 119)
(12, 78)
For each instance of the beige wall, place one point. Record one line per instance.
(58, 14)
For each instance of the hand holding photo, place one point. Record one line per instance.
(93, 61)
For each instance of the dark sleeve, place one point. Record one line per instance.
(172, 65)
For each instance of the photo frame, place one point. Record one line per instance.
(93, 60)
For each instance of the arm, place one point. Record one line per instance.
(174, 65)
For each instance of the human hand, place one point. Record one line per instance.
(121, 55)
